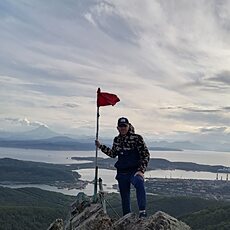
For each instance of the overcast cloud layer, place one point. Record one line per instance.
(168, 61)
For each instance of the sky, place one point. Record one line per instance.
(168, 61)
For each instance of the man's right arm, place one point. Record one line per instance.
(108, 151)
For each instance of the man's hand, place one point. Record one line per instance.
(97, 143)
(140, 174)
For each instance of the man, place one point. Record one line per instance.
(133, 158)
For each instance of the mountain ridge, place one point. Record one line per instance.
(46, 135)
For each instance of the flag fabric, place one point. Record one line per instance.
(104, 98)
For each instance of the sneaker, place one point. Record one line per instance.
(142, 214)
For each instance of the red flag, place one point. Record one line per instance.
(104, 98)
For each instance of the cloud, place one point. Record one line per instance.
(227, 108)
(202, 118)
(213, 129)
(223, 78)
(64, 105)
(197, 109)
(89, 18)
(25, 122)
(193, 109)
(71, 105)
(168, 62)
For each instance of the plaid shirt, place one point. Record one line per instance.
(129, 142)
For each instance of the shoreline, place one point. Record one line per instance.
(155, 164)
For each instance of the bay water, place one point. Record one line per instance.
(108, 176)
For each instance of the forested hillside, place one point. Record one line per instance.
(31, 208)
(210, 218)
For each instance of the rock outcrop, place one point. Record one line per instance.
(57, 225)
(89, 216)
(158, 221)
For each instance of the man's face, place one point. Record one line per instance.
(123, 129)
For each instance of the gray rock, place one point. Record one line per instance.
(128, 221)
(89, 216)
(57, 225)
(158, 221)
(82, 201)
(163, 221)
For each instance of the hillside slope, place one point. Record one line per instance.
(31, 208)
(210, 218)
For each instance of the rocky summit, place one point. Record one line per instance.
(89, 216)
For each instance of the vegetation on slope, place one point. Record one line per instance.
(31, 208)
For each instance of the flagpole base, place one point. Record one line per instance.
(95, 199)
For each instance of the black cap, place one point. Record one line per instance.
(123, 121)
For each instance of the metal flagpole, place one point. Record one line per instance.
(95, 198)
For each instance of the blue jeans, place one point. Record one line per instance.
(124, 182)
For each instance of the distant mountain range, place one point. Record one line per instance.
(54, 143)
(177, 145)
(60, 143)
(42, 132)
(44, 138)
